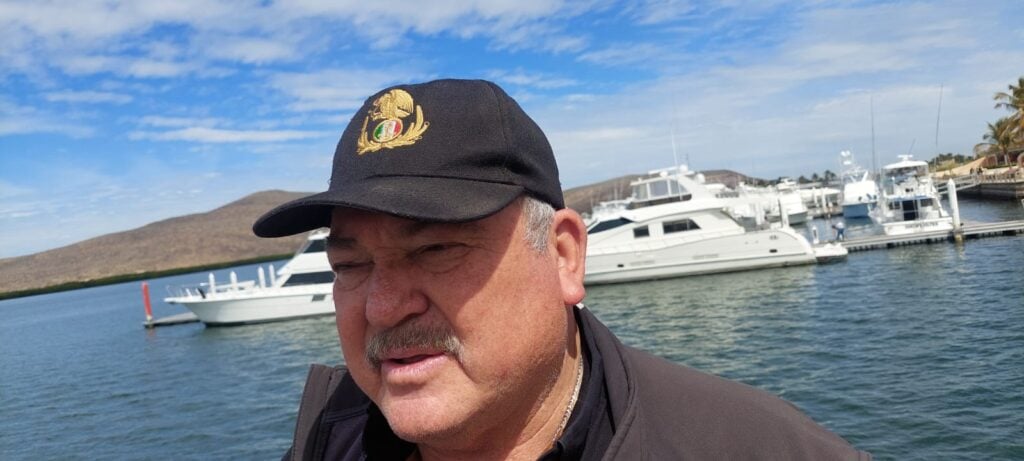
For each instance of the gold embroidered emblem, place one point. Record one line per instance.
(388, 111)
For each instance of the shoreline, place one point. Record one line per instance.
(114, 279)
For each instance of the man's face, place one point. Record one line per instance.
(467, 322)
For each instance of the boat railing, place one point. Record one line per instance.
(206, 291)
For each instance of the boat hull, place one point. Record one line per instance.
(259, 308)
(797, 218)
(753, 250)
(918, 226)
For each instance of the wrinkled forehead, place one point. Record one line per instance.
(352, 226)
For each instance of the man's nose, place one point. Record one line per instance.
(393, 295)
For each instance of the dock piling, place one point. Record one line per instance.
(958, 231)
(146, 303)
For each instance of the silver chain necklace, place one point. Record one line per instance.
(572, 401)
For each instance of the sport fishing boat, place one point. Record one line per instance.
(301, 288)
(750, 204)
(910, 202)
(675, 226)
(789, 199)
(860, 193)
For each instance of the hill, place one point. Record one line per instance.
(219, 237)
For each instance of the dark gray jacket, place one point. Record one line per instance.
(661, 411)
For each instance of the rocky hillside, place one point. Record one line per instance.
(217, 237)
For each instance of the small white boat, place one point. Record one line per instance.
(675, 226)
(910, 202)
(301, 288)
(860, 193)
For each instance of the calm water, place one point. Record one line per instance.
(910, 353)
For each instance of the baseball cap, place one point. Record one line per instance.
(440, 151)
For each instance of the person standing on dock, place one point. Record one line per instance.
(458, 289)
(840, 228)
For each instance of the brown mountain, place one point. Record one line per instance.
(206, 239)
(218, 237)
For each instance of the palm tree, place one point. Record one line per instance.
(999, 138)
(1013, 101)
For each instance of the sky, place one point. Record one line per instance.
(117, 114)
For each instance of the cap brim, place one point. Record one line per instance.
(428, 199)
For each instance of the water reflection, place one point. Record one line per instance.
(713, 321)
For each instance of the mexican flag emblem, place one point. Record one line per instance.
(387, 130)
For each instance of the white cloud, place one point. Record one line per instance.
(16, 119)
(521, 77)
(88, 97)
(789, 108)
(177, 122)
(252, 50)
(124, 66)
(214, 135)
(95, 36)
(659, 11)
(334, 89)
(624, 54)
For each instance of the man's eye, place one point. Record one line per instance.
(437, 247)
(348, 276)
(439, 257)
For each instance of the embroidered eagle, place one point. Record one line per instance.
(390, 108)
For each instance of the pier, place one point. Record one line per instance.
(176, 319)
(1002, 186)
(969, 231)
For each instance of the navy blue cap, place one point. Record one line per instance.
(441, 151)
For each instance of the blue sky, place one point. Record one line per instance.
(117, 114)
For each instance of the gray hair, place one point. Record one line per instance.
(538, 216)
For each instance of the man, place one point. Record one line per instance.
(840, 228)
(459, 273)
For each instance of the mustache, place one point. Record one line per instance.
(411, 335)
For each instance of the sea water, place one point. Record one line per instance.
(914, 352)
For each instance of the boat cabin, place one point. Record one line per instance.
(657, 190)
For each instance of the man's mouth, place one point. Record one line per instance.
(412, 359)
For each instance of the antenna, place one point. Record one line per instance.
(937, 118)
(675, 157)
(910, 152)
(874, 157)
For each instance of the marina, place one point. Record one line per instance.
(675, 225)
(909, 353)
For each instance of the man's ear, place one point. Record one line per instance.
(570, 242)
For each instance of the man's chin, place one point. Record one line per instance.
(418, 423)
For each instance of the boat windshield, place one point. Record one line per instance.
(315, 246)
(657, 188)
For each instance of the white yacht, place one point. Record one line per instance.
(860, 193)
(675, 226)
(910, 203)
(301, 288)
(752, 204)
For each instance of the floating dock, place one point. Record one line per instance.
(178, 319)
(969, 231)
(150, 322)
